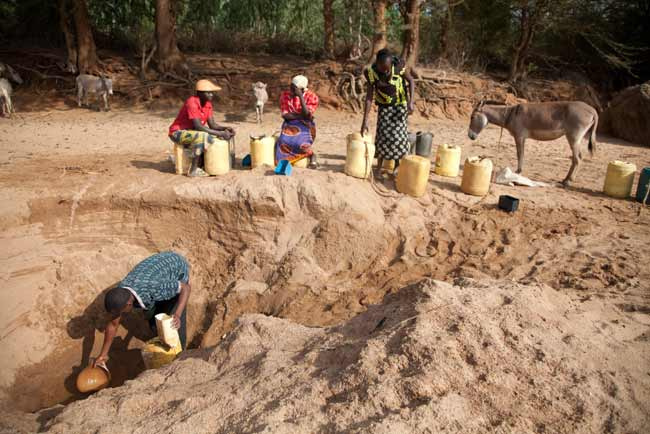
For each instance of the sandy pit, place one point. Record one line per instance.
(322, 303)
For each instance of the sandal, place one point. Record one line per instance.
(198, 172)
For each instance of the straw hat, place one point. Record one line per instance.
(207, 86)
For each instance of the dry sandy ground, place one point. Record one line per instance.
(87, 195)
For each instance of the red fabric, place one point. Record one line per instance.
(292, 105)
(191, 110)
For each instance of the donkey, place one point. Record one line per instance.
(261, 97)
(100, 86)
(541, 121)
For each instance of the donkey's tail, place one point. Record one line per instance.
(592, 135)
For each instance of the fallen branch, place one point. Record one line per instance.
(154, 84)
(222, 72)
(42, 75)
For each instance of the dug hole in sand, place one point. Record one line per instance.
(332, 302)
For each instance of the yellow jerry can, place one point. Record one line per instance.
(477, 174)
(413, 175)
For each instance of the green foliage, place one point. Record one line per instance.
(601, 37)
(30, 20)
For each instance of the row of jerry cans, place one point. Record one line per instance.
(219, 156)
(413, 174)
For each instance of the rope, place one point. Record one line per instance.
(371, 177)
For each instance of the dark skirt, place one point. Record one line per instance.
(391, 140)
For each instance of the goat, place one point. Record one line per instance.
(9, 73)
(261, 97)
(541, 121)
(6, 106)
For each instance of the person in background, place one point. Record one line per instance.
(387, 79)
(297, 106)
(159, 284)
(190, 129)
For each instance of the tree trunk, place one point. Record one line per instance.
(379, 40)
(520, 52)
(411, 39)
(328, 18)
(68, 32)
(446, 26)
(87, 53)
(169, 57)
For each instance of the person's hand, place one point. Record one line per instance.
(296, 91)
(176, 321)
(225, 135)
(100, 362)
(364, 128)
(411, 107)
(231, 130)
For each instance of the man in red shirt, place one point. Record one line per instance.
(189, 128)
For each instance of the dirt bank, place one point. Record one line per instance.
(474, 357)
(88, 195)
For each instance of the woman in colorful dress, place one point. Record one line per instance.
(298, 129)
(387, 79)
(189, 128)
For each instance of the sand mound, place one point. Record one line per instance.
(433, 357)
(628, 115)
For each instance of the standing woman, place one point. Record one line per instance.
(297, 105)
(386, 85)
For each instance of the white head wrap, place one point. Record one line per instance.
(300, 81)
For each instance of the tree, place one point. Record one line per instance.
(169, 57)
(68, 32)
(379, 40)
(410, 10)
(328, 19)
(447, 26)
(80, 44)
(530, 14)
(87, 53)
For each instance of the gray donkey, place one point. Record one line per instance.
(261, 97)
(97, 85)
(541, 121)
